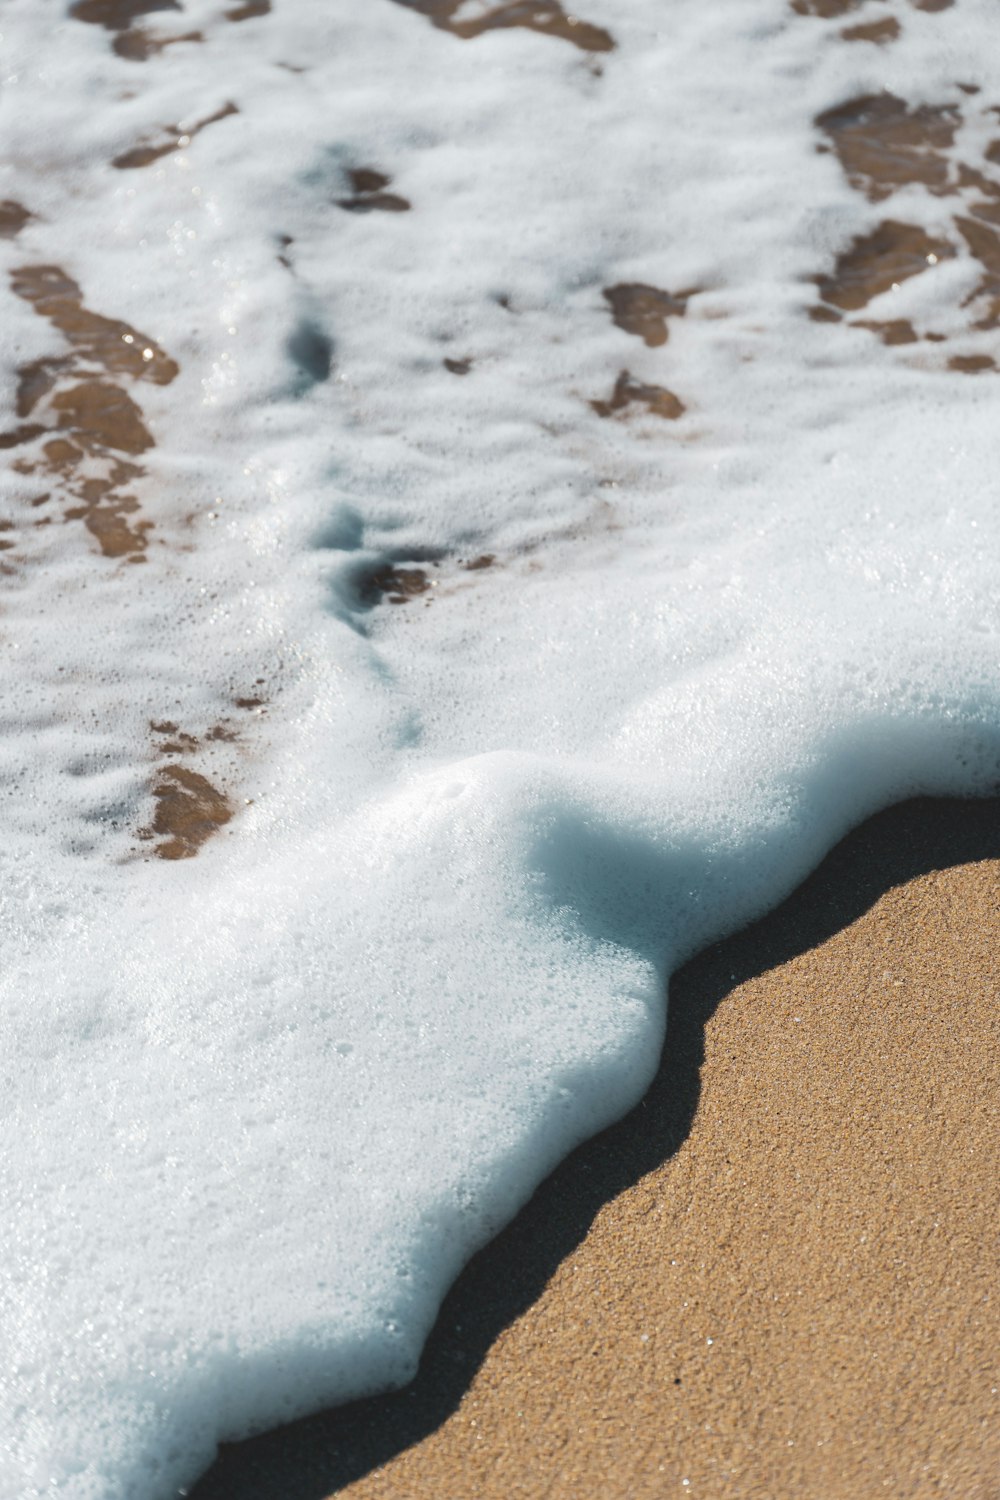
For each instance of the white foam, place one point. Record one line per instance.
(261, 1105)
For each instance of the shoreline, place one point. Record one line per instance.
(770, 1277)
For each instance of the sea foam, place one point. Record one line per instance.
(461, 555)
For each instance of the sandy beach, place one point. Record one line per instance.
(492, 493)
(774, 1278)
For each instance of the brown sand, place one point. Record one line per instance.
(775, 1278)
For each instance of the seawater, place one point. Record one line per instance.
(491, 495)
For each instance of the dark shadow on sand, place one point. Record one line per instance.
(320, 1455)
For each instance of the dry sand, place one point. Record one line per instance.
(776, 1277)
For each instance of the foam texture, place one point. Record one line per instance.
(466, 685)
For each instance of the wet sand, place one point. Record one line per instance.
(776, 1278)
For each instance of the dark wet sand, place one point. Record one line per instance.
(776, 1278)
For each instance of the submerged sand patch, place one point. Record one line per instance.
(545, 16)
(95, 428)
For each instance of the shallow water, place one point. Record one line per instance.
(563, 509)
